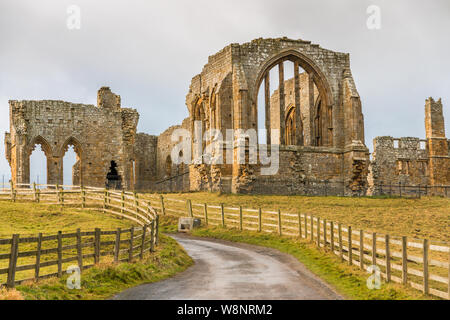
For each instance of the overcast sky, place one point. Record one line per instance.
(148, 51)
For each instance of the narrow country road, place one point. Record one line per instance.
(227, 270)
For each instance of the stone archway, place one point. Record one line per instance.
(51, 164)
(77, 169)
(316, 79)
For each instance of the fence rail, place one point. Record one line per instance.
(420, 263)
(43, 256)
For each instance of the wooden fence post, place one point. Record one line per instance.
(240, 218)
(59, 253)
(58, 196)
(38, 257)
(156, 230)
(38, 195)
(223, 214)
(189, 207)
(374, 248)
(163, 209)
(259, 219)
(136, 203)
(306, 226)
(318, 232)
(324, 233)
(34, 192)
(341, 252)
(361, 249)
(13, 193)
(350, 246)
(97, 246)
(426, 287)
(130, 250)
(312, 228)
(10, 282)
(122, 202)
(152, 236)
(144, 229)
(279, 222)
(117, 245)
(79, 250)
(83, 197)
(62, 196)
(205, 210)
(105, 199)
(404, 260)
(332, 236)
(388, 259)
(299, 225)
(448, 279)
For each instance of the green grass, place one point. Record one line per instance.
(427, 217)
(107, 279)
(26, 218)
(349, 281)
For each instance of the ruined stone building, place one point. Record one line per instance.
(317, 113)
(406, 164)
(103, 138)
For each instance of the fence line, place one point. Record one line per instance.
(422, 264)
(419, 263)
(50, 253)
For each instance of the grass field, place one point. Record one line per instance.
(27, 218)
(428, 217)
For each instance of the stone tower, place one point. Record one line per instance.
(438, 149)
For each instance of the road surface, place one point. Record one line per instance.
(226, 270)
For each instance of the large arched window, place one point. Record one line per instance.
(38, 161)
(318, 125)
(71, 166)
(199, 117)
(290, 126)
(300, 83)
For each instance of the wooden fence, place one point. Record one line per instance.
(423, 264)
(43, 256)
(420, 263)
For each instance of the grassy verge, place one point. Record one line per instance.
(421, 218)
(349, 281)
(107, 278)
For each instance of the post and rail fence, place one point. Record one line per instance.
(30, 258)
(420, 263)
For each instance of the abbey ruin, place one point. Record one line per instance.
(317, 113)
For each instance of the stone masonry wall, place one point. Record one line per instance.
(99, 135)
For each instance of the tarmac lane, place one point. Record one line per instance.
(233, 271)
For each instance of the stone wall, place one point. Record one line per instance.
(413, 162)
(99, 134)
